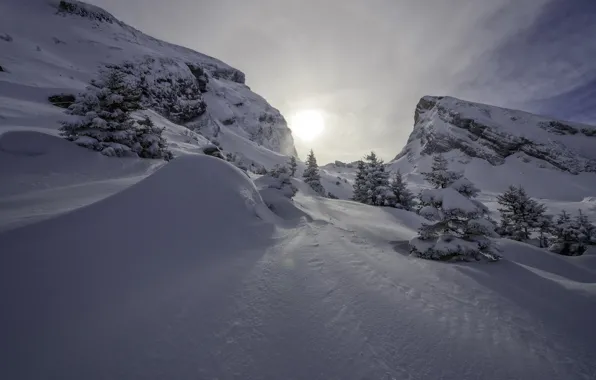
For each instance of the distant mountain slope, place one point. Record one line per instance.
(497, 147)
(443, 124)
(52, 47)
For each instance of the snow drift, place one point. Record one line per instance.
(71, 286)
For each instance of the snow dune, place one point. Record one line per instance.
(186, 274)
(43, 175)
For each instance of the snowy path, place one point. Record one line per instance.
(323, 304)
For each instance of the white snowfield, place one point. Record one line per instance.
(114, 268)
(187, 276)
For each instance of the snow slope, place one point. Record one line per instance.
(495, 148)
(42, 175)
(186, 277)
(128, 268)
(48, 50)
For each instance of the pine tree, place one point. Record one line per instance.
(105, 123)
(586, 228)
(568, 239)
(360, 183)
(150, 142)
(377, 182)
(520, 214)
(439, 176)
(403, 197)
(545, 228)
(311, 174)
(292, 165)
(459, 227)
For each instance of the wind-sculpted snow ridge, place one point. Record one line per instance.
(57, 47)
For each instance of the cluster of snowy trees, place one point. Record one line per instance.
(375, 186)
(522, 216)
(105, 123)
(458, 226)
(310, 176)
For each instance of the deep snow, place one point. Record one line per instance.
(191, 276)
(129, 268)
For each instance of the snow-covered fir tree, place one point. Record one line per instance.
(520, 214)
(311, 174)
(402, 196)
(292, 166)
(586, 228)
(459, 226)
(439, 176)
(359, 194)
(567, 236)
(371, 185)
(377, 182)
(105, 123)
(545, 228)
(149, 141)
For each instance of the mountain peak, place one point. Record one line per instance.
(494, 134)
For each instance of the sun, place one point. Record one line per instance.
(307, 124)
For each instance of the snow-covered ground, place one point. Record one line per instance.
(130, 268)
(191, 276)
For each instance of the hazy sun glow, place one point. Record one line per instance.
(307, 124)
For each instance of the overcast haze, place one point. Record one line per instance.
(365, 64)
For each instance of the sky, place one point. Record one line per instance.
(365, 63)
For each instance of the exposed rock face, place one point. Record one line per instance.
(444, 124)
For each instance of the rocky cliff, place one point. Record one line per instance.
(493, 134)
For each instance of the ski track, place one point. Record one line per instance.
(322, 298)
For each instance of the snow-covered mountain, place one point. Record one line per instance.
(122, 268)
(52, 47)
(444, 124)
(496, 147)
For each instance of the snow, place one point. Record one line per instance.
(193, 277)
(37, 67)
(449, 198)
(519, 124)
(136, 268)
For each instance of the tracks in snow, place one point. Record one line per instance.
(324, 303)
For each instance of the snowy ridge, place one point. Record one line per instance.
(444, 124)
(55, 47)
(495, 148)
